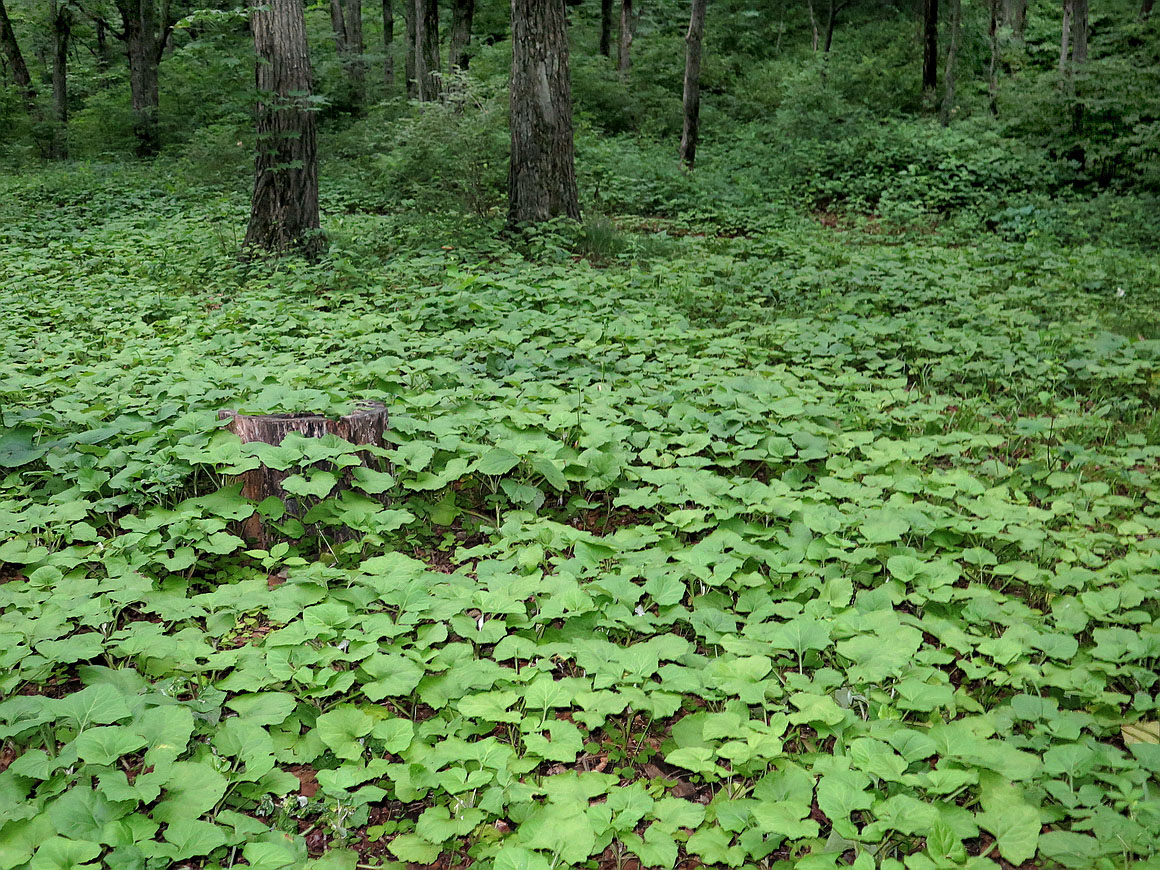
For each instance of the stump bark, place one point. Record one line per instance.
(365, 425)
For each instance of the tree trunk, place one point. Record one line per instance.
(284, 209)
(388, 43)
(929, 46)
(692, 98)
(831, 20)
(338, 27)
(61, 30)
(462, 13)
(355, 47)
(145, 39)
(993, 69)
(16, 62)
(624, 58)
(1065, 38)
(1145, 10)
(606, 28)
(948, 105)
(813, 25)
(102, 45)
(1079, 32)
(411, 65)
(427, 62)
(365, 426)
(541, 174)
(1015, 16)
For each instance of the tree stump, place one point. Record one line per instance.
(365, 425)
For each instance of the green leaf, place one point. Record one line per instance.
(101, 704)
(343, 728)
(192, 789)
(192, 838)
(414, 849)
(105, 744)
(497, 461)
(1016, 828)
(57, 853)
(883, 526)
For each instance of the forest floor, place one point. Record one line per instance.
(800, 542)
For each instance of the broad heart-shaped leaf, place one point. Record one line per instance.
(497, 461)
(712, 845)
(105, 744)
(563, 742)
(396, 734)
(16, 447)
(193, 788)
(264, 708)
(414, 849)
(343, 728)
(800, 634)
(191, 838)
(392, 676)
(840, 792)
(101, 704)
(513, 857)
(699, 759)
(563, 830)
(656, 849)
(318, 485)
(81, 813)
(371, 481)
(1016, 828)
(57, 853)
(784, 819)
(435, 824)
(883, 525)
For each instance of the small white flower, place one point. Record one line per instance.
(1120, 293)
(639, 610)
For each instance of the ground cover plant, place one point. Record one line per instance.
(809, 547)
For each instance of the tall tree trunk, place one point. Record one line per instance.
(411, 64)
(993, 68)
(61, 30)
(1079, 32)
(102, 45)
(145, 37)
(1065, 38)
(692, 98)
(388, 43)
(929, 46)
(356, 72)
(948, 105)
(462, 13)
(427, 62)
(541, 174)
(338, 27)
(831, 21)
(1015, 16)
(16, 62)
(1145, 10)
(606, 28)
(814, 25)
(624, 57)
(284, 209)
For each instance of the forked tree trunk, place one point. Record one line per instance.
(606, 28)
(145, 37)
(427, 62)
(388, 43)
(541, 173)
(930, 46)
(61, 30)
(365, 426)
(692, 95)
(284, 209)
(462, 13)
(948, 105)
(624, 57)
(15, 59)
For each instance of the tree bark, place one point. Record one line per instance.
(831, 21)
(61, 30)
(338, 27)
(462, 13)
(411, 65)
(1015, 16)
(145, 34)
(388, 43)
(15, 59)
(427, 62)
(355, 48)
(284, 209)
(606, 28)
(692, 95)
(929, 46)
(624, 57)
(813, 25)
(541, 173)
(1065, 38)
(1079, 32)
(365, 426)
(948, 105)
